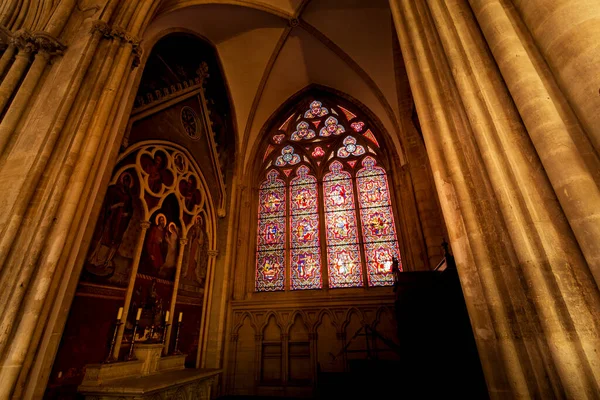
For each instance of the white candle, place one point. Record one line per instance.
(120, 313)
(180, 316)
(167, 317)
(139, 314)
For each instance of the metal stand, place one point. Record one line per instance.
(132, 356)
(176, 349)
(113, 342)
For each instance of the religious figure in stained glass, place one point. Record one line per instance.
(340, 220)
(304, 222)
(315, 110)
(270, 259)
(379, 234)
(331, 128)
(303, 132)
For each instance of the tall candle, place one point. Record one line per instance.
(120, 313)
(180, 316)
(139, 314)
(167, 317)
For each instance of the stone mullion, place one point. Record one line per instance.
(441, 124)
(322, 234)
(498, 131)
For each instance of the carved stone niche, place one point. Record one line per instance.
(149, 377)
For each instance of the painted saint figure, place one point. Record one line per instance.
(167, 270)
(155, 244)
(116, 215)
(198, 253)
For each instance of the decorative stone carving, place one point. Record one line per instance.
(47, 43)
(22, 39)
(39, 41)
(213, 253)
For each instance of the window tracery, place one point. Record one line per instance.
(325, 210)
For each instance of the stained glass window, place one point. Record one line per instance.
(270, 260)
(325, 207)
(378, 228)
(343, 253)
(305, 258)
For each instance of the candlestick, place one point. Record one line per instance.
(132, 356)
(180, 316)
(120, 313)
(164, 337)
(176, 348)
(139, 314)
(110, 358)
(150, 337)
(167, 317)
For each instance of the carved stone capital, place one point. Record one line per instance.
(145, 224)
(23, 40)
(183, 241)
(48, 43)
(102, 27)
(234, 337)
(202, 71)
(137, 55)
(213, 253)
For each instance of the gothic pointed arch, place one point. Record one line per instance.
(325, 210)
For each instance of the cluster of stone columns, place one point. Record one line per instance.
(517, 174)
(61, 95)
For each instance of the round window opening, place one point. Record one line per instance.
(190, 122)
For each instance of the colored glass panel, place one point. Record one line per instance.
(331, 128)
(369, 135)
(303, 131)
(350, 148)
(270, 261)
(347, 113)
(357, 126)
(316, 110)
(305, 253)
(379, 232)
(343, 254)
(287, 157)
(278, 138)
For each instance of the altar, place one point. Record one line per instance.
(149, 377)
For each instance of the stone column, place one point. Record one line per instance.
(7, 57)
(182, 243)
(206, 304)
(567, 33)
(16, 71)
(554, 130)
(515, 229)
(137, 253)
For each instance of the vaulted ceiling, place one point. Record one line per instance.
(272, 49)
